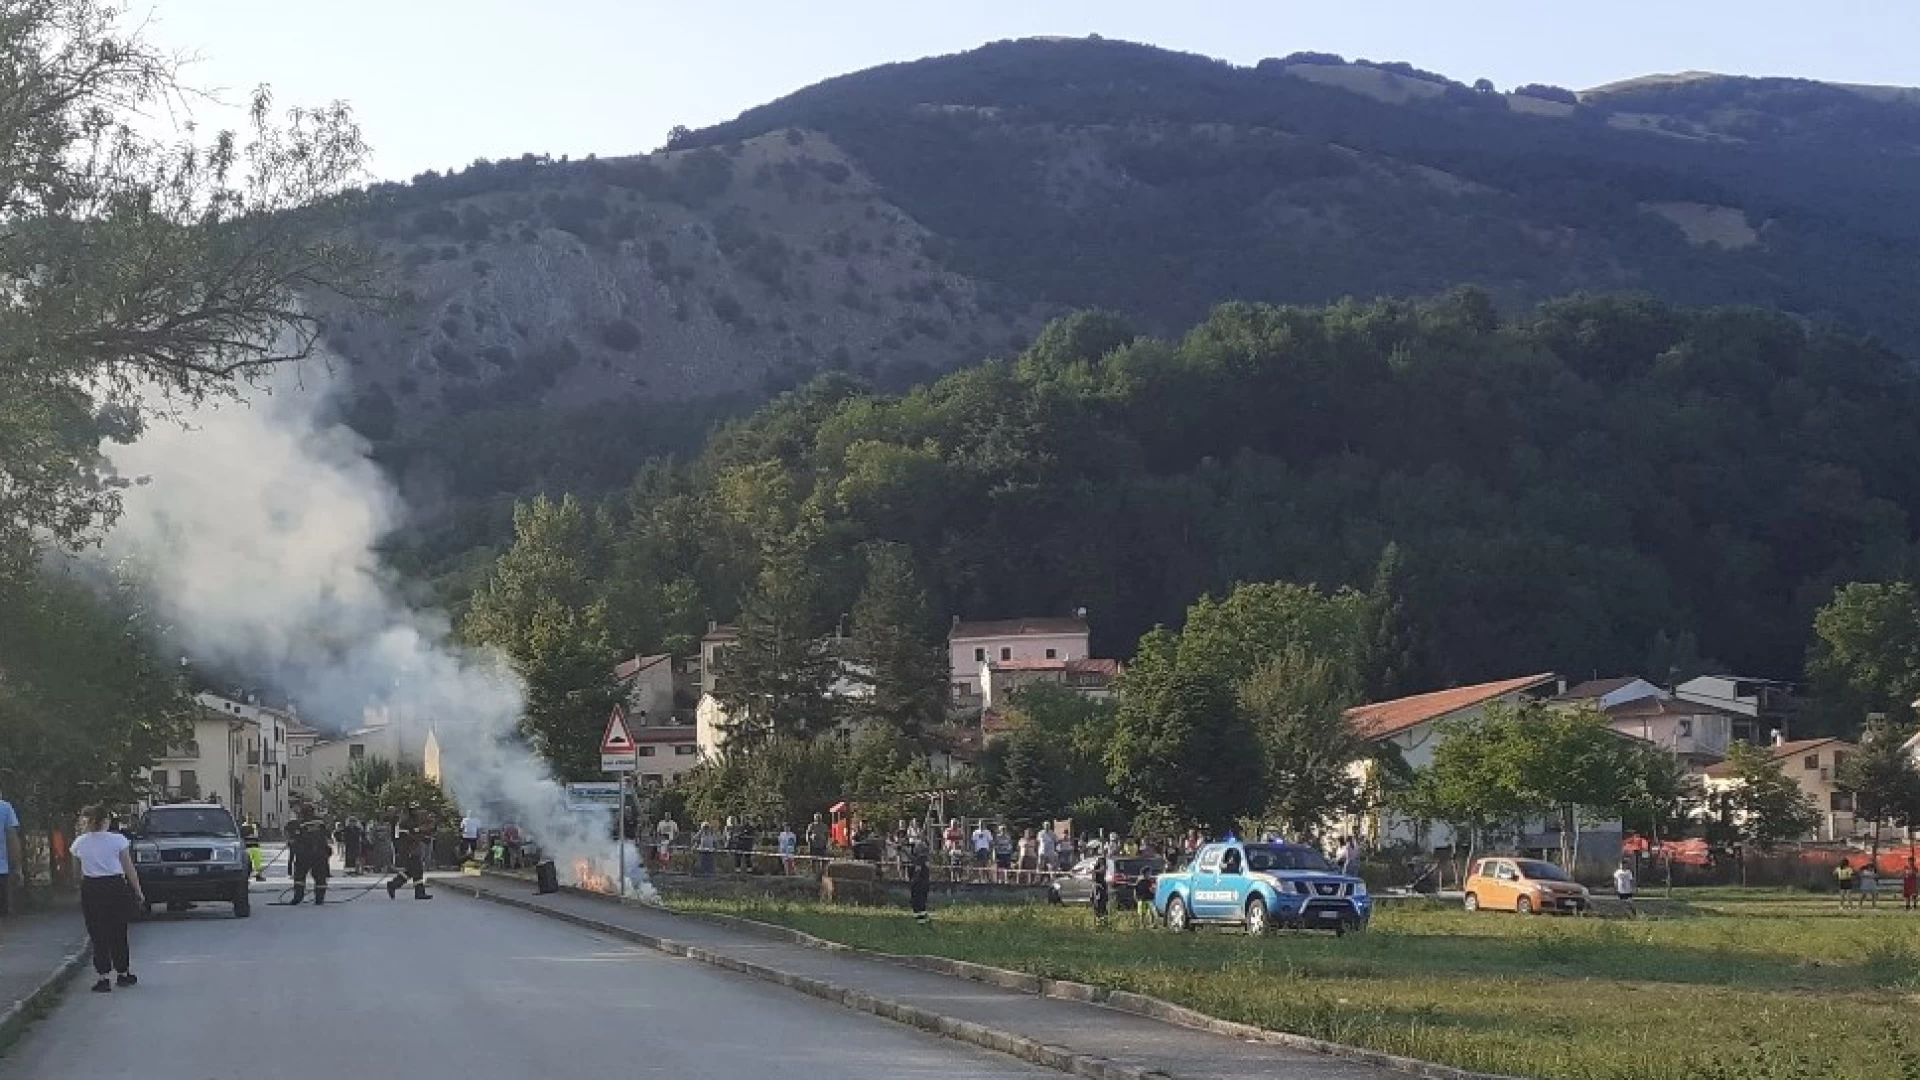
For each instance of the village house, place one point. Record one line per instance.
(710, 716)
(1416, 727)
(1813, 764)
(381, 736)
(1760, 707)
(971, 646)
(1695, 732)
(1091, 677)
(661, 708)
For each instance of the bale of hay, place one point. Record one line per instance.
(850, 883)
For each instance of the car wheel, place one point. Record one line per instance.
(1523, 905)
(1258, 922)
(1177, 915)
(1473, 902)
(1053, 895)
(242, 903)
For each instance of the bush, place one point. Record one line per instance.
(1549, 93)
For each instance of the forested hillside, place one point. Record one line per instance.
(560, 322)
(1602, 485)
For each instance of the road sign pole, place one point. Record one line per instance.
(620, 852)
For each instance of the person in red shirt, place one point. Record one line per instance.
(1910, 886)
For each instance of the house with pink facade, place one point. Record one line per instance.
(971, 646)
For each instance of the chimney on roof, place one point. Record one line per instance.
(956, 620)
(1779, 737)
(1560, 687)
(712, 625)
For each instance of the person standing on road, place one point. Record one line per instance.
(415, 832)
(353, 840)
(109, 893)
(10, 878)
(308, 852)
(469, 836)
(1623, 887)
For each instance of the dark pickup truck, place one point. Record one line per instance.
(191, 851)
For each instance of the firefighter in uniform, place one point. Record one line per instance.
(307, 847)
(414, 833)
(256, 858)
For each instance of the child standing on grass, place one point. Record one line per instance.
(1623, 887)
(1869, 886)
(1843, 877)
(1910, 886)
(1143, 884)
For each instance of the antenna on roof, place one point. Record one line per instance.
(1080, 613)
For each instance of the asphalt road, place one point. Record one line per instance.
(452, 988)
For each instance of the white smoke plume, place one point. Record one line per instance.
(257, 526)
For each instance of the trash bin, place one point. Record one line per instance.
(547, 876)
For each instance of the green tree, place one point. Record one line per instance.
(1867, 646)
(1761, 804)
(897, 649)
(1469, 784)
(1075, 730)
(1027, 795)
(88, 697)
(1561, 762)
(1882, 778)
(1180, 742)
(1297, 704)
(777, 680)
(1391, 662)
(542, 607)
(181, 265)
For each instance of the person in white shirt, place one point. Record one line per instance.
(789, 844)
(664, 835)
(1049, 847)
(982, 845)
(1623, 887)
(469, 836)
(109, 892)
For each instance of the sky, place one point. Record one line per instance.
(438, 83)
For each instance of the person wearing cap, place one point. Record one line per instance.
(309, 852)
(256, 858)
(415, 832)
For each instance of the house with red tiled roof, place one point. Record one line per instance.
(1813, 764)
(1416, 726)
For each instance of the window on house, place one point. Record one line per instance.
(189, 783)
(979, 655)
(160, 778)
(647, 751)
(685, 750)
(267, 779)
(1006, 654)
(299, 781)
(1840, 802)
(1053, 654)
(1813, 761)
(1838, 758)
(1686, 729)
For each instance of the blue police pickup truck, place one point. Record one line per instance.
(1261, 886)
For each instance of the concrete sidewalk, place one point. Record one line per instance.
(1075, 1036)
(37, 952)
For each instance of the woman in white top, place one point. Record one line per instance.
(109, 893)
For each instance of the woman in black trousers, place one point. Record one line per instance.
(109, 893)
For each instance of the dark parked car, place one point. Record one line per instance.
(191, 851)
(1077, 886)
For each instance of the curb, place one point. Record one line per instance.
(1086, 993)
(22, 1013)
(1006, 1042)
(1123, 1000)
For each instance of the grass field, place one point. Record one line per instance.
(1725, 985)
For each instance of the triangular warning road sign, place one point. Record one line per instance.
(617, 740)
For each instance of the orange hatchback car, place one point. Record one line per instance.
(1524, 885)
